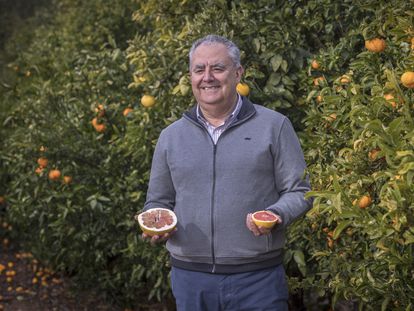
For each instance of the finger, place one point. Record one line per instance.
(251, 225)
(263, 230)
(248, 220)
(165, 236)
(155, 239)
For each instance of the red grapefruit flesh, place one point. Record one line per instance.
(157, 221)
(264, 219)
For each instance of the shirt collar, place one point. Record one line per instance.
(231, 116)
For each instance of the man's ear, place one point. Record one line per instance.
(239, 72)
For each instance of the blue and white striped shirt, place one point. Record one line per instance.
(214, 131)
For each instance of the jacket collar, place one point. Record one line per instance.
(246, 111)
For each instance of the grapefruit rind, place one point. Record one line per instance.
(264, 223)
(156, 231)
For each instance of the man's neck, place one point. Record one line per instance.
(217, 114)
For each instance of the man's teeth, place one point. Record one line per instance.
(210, 87)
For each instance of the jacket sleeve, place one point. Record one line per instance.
(291, 179)
(161, 192)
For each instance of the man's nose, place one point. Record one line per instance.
(208, 75)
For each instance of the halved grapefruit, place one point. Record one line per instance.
(157, 221)
(264, 219)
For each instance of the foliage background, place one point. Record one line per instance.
(76, 60)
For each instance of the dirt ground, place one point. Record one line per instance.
(26, 285)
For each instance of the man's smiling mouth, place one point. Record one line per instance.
(209, 87)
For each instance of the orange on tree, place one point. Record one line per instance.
(345, 79)
(54, 174)
(39, 170)
(332, 117)
(94, 122)
(243, 89)
(315, 65)
(42, 162)
(100, 110)
(319, 98)
(127, 111)
(390, 98)
(375, 45)
(330, 242)
(317, 81)
(67, 179)
(2, 200)
(138, 79)
(147, 101)
(373, 154)
(364, 201)
(407, 79)
(99, 127)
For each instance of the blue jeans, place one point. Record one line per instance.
(257, 290)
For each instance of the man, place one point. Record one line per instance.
(223, 160)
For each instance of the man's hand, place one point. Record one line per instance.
(257, 231)
(158, 238)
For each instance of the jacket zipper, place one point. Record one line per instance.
(213, 270)
(212, 209)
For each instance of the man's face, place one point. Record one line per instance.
(214, 77)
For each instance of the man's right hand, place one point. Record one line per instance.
(154, 239)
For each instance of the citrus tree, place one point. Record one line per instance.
(358, 140)
(71, 191)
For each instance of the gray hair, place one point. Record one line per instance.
(232, 48)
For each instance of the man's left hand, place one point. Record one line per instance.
(257, 230)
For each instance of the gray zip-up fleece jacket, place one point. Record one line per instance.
(256, 164)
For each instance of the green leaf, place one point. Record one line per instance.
(340, 227)
(93, 203)
(409, 237)
(256, 43)
(385, 303)
(299, 258)
(103, 199)
(406, 168)
(276, 61)
(111, 41)
(284, 66)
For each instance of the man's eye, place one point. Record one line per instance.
(218, 69)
